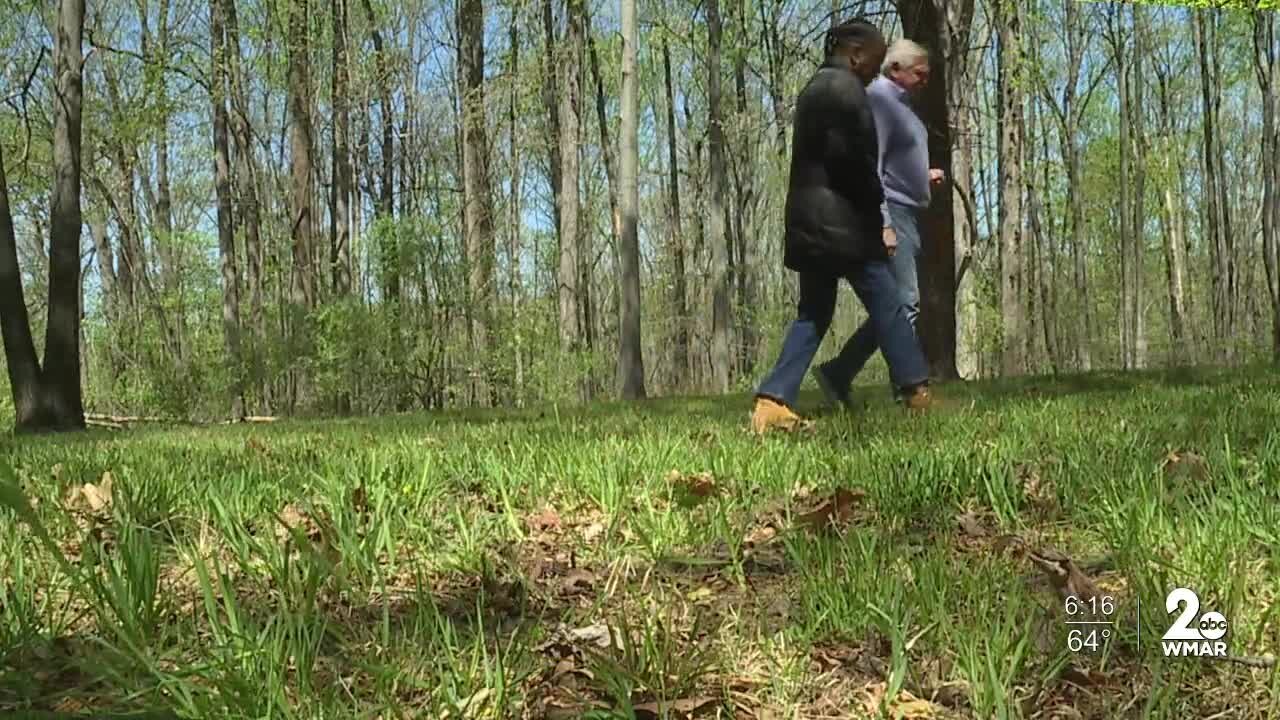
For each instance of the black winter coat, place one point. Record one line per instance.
(833, 218)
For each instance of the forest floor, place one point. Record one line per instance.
(656, 560)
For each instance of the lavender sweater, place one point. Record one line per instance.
(904, 146)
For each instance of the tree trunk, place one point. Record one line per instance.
(1119, 40)
(222, 190)
(247, 188)
(49, 398)
(1138, 223)
(551, 98)
(343, 180)
(1012, 306)
(1267, 67)
(514, 284)
(19, 348)
(959, 18)
(301, 294)
(602, 123)
(570, 276)
(478, 214)
(927, 22)
(720, 271)
(390, 252)
(1218, 253)
(680, 345)
(630, 357)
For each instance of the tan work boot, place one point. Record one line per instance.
(769, 414)
(918, 400)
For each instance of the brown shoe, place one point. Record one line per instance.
(918, 400)
(770, 414)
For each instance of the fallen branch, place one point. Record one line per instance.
(95, 422)
(98, 417)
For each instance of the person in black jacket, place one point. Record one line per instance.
(835, 228)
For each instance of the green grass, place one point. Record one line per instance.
(489, 564)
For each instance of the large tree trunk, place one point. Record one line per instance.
(630, 357)
(721, 357)
(222, 190)
(1012, 305)
(959, 20)
(570, 275)
(19, 348)
(49, 398)
(743, 214)
(477, 214)
(680, 345)
(926, 21)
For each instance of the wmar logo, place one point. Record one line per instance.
(1192, 634)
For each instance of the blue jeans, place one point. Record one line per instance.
(876, 288)
(863, 344)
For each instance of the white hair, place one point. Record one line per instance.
(904, 54)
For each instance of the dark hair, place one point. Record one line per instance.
(850, 35)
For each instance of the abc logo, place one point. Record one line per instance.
(1212, 625)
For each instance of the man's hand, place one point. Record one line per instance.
(936, 176)
(890, 241)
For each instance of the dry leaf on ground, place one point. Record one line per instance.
(687, 707)
(690, 489)
(1185, 464)
(544, 520)
(836, 510)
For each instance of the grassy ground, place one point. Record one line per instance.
(655, 560)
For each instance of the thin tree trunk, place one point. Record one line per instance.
(1138, 147)
(15, 323)
(478, 212)
(343, 180)
(1012, 305)
(1218, 252)
(514, 285)
(721, 358)
(300, 145)
(630, 355)
(222, 190)
(1266, 65)
(247, 188)
(570, 275)
(551, 98)
(680, 346)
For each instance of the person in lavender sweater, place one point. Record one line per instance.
(908, 182)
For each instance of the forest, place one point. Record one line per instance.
(298, 207)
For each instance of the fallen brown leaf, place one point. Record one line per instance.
(971, 525)
(692, 488)
(686, 707)
(837, 510)
(598, 635)
(1065, 576)
(545, 519)
(94, 499)
(1185, 464)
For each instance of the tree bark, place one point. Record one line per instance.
(1012, 305)
(222, 191)
(1267, 68)
(721, 358)
(1221, 304)
(630, 356)
(680, 345)
(927, 22)
(551, 98)
(343, 179)
(570, 275)
(300, 144)
(247, 184)
(478, 211)
(1138, 223)
(49, 397)
(514, 284)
